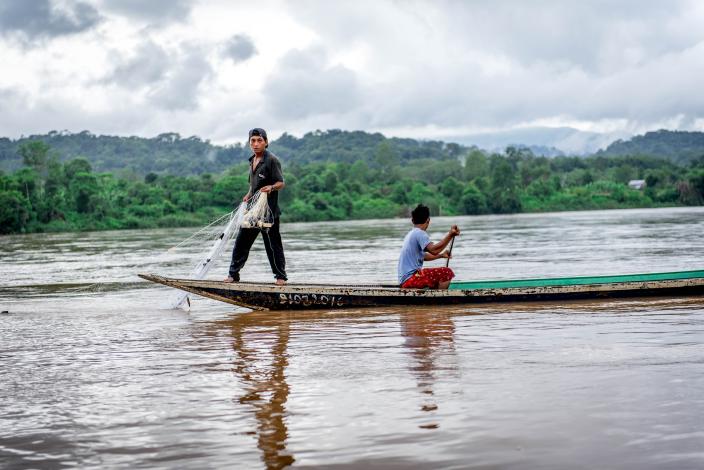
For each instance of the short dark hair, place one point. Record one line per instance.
(420, 214)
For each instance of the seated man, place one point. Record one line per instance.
(417, 248)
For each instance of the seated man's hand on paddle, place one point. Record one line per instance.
(454, 231)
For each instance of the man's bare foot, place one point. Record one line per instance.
(229, 280)
(280, 282)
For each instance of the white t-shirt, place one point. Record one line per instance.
(412, 253)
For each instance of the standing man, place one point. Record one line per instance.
(265, 176)
(417, 248)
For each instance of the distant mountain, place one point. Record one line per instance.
(172, 154)
(678, 146)
(547, 141)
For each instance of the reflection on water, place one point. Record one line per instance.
(260, 364)
(93, 374)
(260, 342)
(429, 339)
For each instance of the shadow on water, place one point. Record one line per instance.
(429, 338)
(260, 342)
(260, 363)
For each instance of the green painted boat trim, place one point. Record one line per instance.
(576, 281)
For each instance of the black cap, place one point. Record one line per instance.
(260, 132)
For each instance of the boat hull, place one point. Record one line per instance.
(310, 296)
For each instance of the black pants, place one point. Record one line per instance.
(272, 244)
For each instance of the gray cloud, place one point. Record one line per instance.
(180, 86)
(39, 19)
(490, 64)
(239, 48)
(598, 36)
(156, 12)
(38, 116)
(303, 85)
(423, 68)
(148, 65)
(171, 78)
(11, 99)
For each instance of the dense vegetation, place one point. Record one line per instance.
(678, 146)
(171, 154)
(338, 183)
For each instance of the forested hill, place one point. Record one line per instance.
(164, 154)
(680, 147)
(172, 154)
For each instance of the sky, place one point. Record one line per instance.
(435, 69)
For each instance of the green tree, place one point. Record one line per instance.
(504, 197)
(330, 180)
(227, 191)
(476, 165)
(35, 154)
(696, 181)
(84, 188)
(75, 166)
(359, 171)
(624, 173)
(453, 190)
(14, 212)
(387, 160)
(473, 200)
(374, 208)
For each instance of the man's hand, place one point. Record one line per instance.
(267, 189)
(445, 254)
(246, 198)
(454, 231)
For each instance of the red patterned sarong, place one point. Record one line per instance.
(428, 277)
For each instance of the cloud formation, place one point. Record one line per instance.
(147, 65)
(424, 69)
(180, 87)
(155, 12)
(40, 19)
(239, 48)
(304, 85)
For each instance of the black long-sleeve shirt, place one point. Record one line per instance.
(267, 172)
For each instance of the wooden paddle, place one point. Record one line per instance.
(452, 242)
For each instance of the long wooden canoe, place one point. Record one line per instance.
(261, 296)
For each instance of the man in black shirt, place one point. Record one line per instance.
(265, 176)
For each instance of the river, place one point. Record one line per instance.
(95, 373)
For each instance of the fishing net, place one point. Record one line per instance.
(255, 213)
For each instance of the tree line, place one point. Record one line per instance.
(49, 195)
(170, 153)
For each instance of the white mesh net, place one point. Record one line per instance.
(254, 213)
(257, 213)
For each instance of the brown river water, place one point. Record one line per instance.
(96, 373)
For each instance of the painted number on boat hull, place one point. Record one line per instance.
(310, 299)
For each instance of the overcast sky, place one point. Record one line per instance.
(424, 69)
